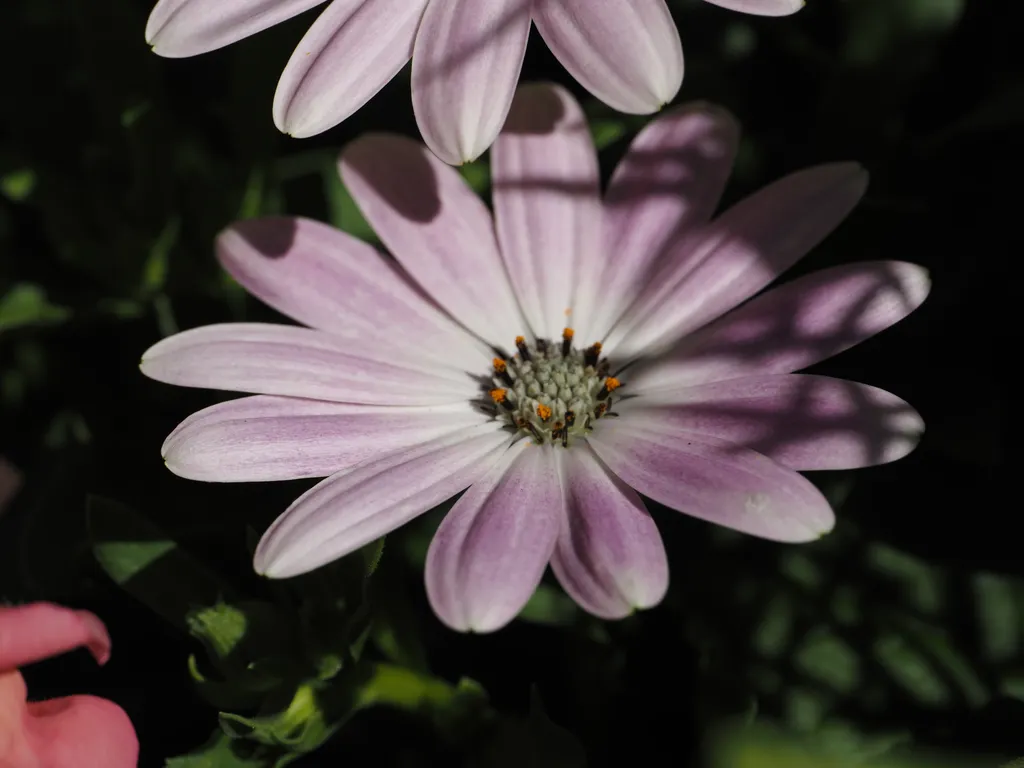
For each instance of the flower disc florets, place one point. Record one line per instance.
(553, 392)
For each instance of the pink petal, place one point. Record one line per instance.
(710, 479)
(81, 732)
(802, 422)
(740, 253)
(609, 556)
(761, 7)
(255, 439)
(437, 228)
(666, 187)
(299, 362)
(465, 67)
(179, 28)
(327, 279)
(791, 327)
(365, 502)
(625, 52)
(546, 185)
(352, 51)
(37, 631)
(489, 554)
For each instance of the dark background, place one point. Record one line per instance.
(904, 630)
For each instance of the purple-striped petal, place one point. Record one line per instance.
(547, 206)
(327, 279)
(741, 252)
(802, 422)
(465, 67)
(438, 229)
(363, 503)
(261, 438)
(352, 51)
(625, 52)
(666, 187)
(793, 326)
(609, 555)
(761, 7)
(179, 28)
(489, 554)
(724, 484)
(285, 360)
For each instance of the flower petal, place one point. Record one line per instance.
(710, 479)
(299, 362)
(327, 279)
(547, 202)
(803, 422)
(37, 631)
(363, 503)
(437, 228)
(761, 7)
(741, 252)
(349, 53)
(261, 438)
(609, 555)
(793, 326)
(490, 551)
(179, 28)
(666, 187)
(465, 67)
(625, 52)
(81, 731)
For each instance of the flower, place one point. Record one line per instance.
(466, 55)
(472, 361)
(70, 732)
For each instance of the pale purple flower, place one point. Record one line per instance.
(466, 55)
(414, 387)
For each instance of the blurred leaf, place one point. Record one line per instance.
(342, 209)
(477, 174)
(551, 606)
(999, 604)
(219, 752)
(606, 132)
(18, 185)
(825, 657)
(145, 562)
(912, 670)
(760, 747)
(154, 274)
(26, 304)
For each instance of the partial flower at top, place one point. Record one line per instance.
(557, 359)
(466, 55)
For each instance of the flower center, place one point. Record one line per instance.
(553, 392)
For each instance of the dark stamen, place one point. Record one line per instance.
(567, 335)
(501, 371)
(524, 353)
(592, 353)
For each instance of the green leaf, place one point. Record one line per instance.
(551, 606)
(18, 185)
(26, 304)
(606, 132)
(148, 564)
(342, 209)
(998, 605)
(154, 274)
(221, 751)
(477, 175)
